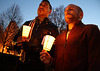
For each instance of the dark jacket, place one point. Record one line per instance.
(81, 51)
(33, 47)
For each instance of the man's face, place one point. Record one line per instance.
(44, 9)
(71, 13)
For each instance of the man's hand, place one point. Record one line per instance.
(21, 39)
(45, 57)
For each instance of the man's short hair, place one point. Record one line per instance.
(48, 3)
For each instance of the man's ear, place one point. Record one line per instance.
(80, 15)
(50, 11)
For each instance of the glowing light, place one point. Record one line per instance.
(54, 10)
(26, 30)
(48, 42)
(7, 47)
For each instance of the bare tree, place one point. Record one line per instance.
(1, 38)
(57, 17)
(9, 33)
(10, 20)
(12, 13)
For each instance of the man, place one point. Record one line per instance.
(40, 27)
(78, 48)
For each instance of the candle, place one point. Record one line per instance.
(26, 30)
(48, 42)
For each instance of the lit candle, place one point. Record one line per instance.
(26, 30)
(48, 42)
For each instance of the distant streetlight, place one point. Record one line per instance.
(54, 10)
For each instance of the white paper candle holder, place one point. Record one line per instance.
(25, 31)
(48, 42)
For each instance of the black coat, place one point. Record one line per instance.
(33, 47)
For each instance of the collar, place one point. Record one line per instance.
(46, 20)
(77, 24)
